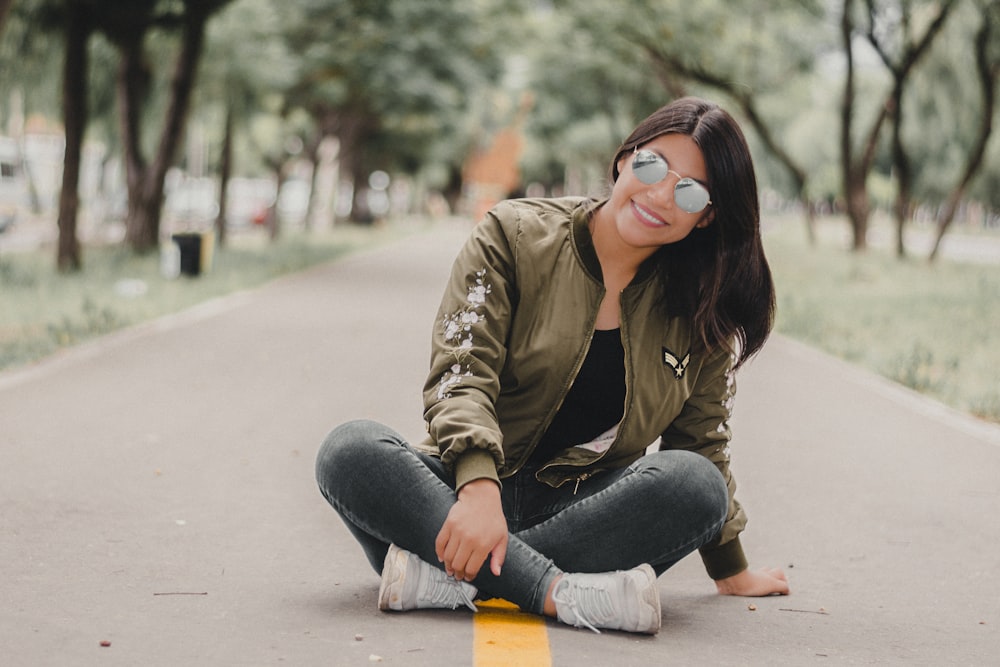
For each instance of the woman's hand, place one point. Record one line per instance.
(767, 581)
(474, 530)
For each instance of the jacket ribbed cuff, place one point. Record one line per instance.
(724, 560)
(474, 464)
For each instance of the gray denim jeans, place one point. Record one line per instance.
(657, 510)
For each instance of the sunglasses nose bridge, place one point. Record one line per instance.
(664, 189)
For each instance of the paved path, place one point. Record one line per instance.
(156, 492)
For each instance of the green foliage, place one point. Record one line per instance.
(616, 67)
(246, 69)
(588, 92)
(945, 99)
(921, 369)
(400, 74)
(91, 320)
(418, 82)
(29, 55)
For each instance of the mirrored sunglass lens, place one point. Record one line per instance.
(649, 167)
(690, 195)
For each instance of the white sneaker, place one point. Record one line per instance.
(410, 583)
(621, 600)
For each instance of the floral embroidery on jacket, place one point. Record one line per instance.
(458, 332)
(452, 377)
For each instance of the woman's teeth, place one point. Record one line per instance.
(647, 216)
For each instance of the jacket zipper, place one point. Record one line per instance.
(576, 371)
(581, 478)
(623, 332)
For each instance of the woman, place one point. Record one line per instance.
(572, 335)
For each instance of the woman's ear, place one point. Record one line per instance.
(620, 164)
(706, 219)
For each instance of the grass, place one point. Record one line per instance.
(42, 311)
(930, 327)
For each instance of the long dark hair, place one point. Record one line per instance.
(717, 276)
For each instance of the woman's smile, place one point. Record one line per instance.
(646, 216)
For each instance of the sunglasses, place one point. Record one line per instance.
(689, 194)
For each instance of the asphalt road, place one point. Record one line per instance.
(157, 493)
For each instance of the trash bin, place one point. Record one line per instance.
(190, 249)
(195, 252)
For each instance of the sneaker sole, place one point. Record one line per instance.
(651, 596)
(393, 577)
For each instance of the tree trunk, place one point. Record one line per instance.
(226, 170)
(853, 175)
(858, 210)
(352, 128)
(133, 82)
(272, 220)
(810, 220)
(4, 9)
(145, 182)
(312, 150)
(904, 172)
(799, 176)
(78, 29)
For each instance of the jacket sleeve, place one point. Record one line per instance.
(703, 427)
(468, 351)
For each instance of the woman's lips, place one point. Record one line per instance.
(647, 217)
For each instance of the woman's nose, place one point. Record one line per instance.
(663, 192)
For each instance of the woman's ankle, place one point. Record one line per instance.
(549, 608)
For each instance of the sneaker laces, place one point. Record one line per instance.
(445, 591)
(583, 601)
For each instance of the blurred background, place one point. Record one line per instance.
(124, 123)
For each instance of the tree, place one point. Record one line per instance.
(389, 79)
(590, 91)
(246, 71)
(890, 31)
(681, 50)
(74, 20)
(987, 57)
(127, 24)
(78, 28)
(753, 74)
(855, 164)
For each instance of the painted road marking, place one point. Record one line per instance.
(503, 635)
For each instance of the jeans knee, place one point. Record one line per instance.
(708, 482)
(694, 479)
(343, 450)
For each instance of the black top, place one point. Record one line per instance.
(595, 402)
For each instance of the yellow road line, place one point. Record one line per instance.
(503, 636)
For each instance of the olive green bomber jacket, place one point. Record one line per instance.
(513, 329)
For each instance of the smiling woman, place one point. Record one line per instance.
(572, 335)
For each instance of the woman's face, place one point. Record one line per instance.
(648, 216)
